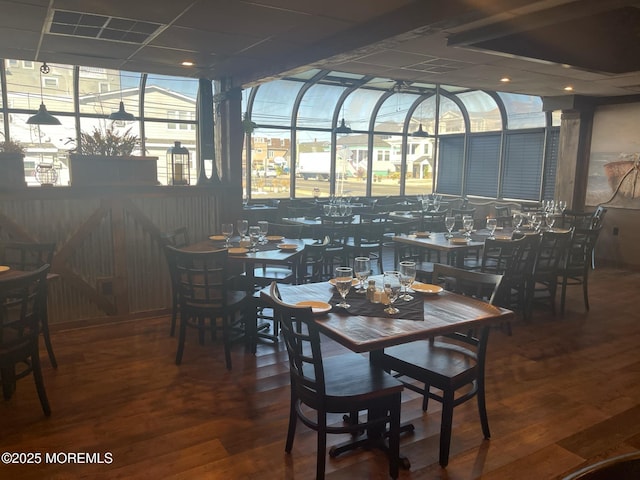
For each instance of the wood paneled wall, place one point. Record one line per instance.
(109, 255)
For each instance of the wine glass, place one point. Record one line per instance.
(467, 224)
(536, 222)
(242, 226)
(362, 268)
(392, 286)
(254, 237)
(449, 223)
(344, 278)
(264, 229)
(517, 221)
(562, 205)
(407, 277)
(492, 224)
(550, 219)
(227, 231)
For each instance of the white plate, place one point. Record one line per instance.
(316, 307)
(274, 238)
(4, 268)
(354, 282)
(287, 246)
(237, 250)
(217, 238)
(426, 288)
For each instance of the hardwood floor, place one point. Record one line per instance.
(561, 392)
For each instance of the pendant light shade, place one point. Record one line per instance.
(43, 117)
(122, 114)
(342, 129)
(420, 133)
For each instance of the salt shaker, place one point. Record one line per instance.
(371, 290)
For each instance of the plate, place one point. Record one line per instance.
(287, 246)
(237, 250)
(274, 238)
(423, 234)
(4, 268)
(459, 241)
(426, 288)
(316, 307)
(354, 282)
(217, 238)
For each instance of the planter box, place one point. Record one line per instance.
(12, 168)
(96, 170)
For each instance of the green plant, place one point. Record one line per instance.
(10, 146)
(107, 142)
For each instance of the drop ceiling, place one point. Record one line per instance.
(542, 46)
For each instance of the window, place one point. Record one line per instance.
(51, 82)
(181, 115)
(103, 87)
(523, 165)
(482, 165)
(27, 64)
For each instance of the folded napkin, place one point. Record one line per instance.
(411, 310)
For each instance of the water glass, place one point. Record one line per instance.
(392, 287)
(242, 226)
(449, 223)
(264, 229)
(227, 231)
(492, 224)
(344, 278)
(467, 224)
(362, 268)
(254, 237)
(407, 277)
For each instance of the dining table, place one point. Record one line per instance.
(366, 328)
(456, 247)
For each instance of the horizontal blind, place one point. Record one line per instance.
(482, 165)
(450, 161)
(550, 163)
(522, 175)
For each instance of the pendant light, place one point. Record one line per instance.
(342, 129)
(43, 117)
(121, 115)
(420, 133)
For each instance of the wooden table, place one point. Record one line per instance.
(439, 243)
(444, 312)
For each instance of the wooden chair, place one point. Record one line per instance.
(312, 263)
(367, 240)
(344, 384)
(542, 285)
(178, 238)
(22, 305)
(205, 292)
(575, 267)
(29, 256)
(503, 215)
(451, 362)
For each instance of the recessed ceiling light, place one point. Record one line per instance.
(505, 79)
(187, 63)
(568, 88)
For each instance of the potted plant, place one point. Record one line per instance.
(105, 157)
(12, 164)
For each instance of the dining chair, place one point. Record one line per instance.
(30, 256)
(178, 238)
(448, 363)
(366, 239)
(337, 384)
(503, 215)
(542, 285)
(312, 263)
(574, 268)
(205, 292)
(22, 305)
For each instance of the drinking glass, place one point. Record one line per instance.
(227, 231)
(392, 286)
(550, 219)
(449, 223)
(264, 229)
(326, 209)
(407, 277)
(254, 237)
(492, 224)
(536, 222)
(344, 277)
(242, 226)
(362, 268)
(517, 221)
(467, 224)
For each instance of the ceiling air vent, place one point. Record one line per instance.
(89, 25)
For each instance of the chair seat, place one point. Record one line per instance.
(351, 377)
(235, 299)
(265, 275)
(433, 363)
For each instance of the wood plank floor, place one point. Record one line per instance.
(562, 392)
